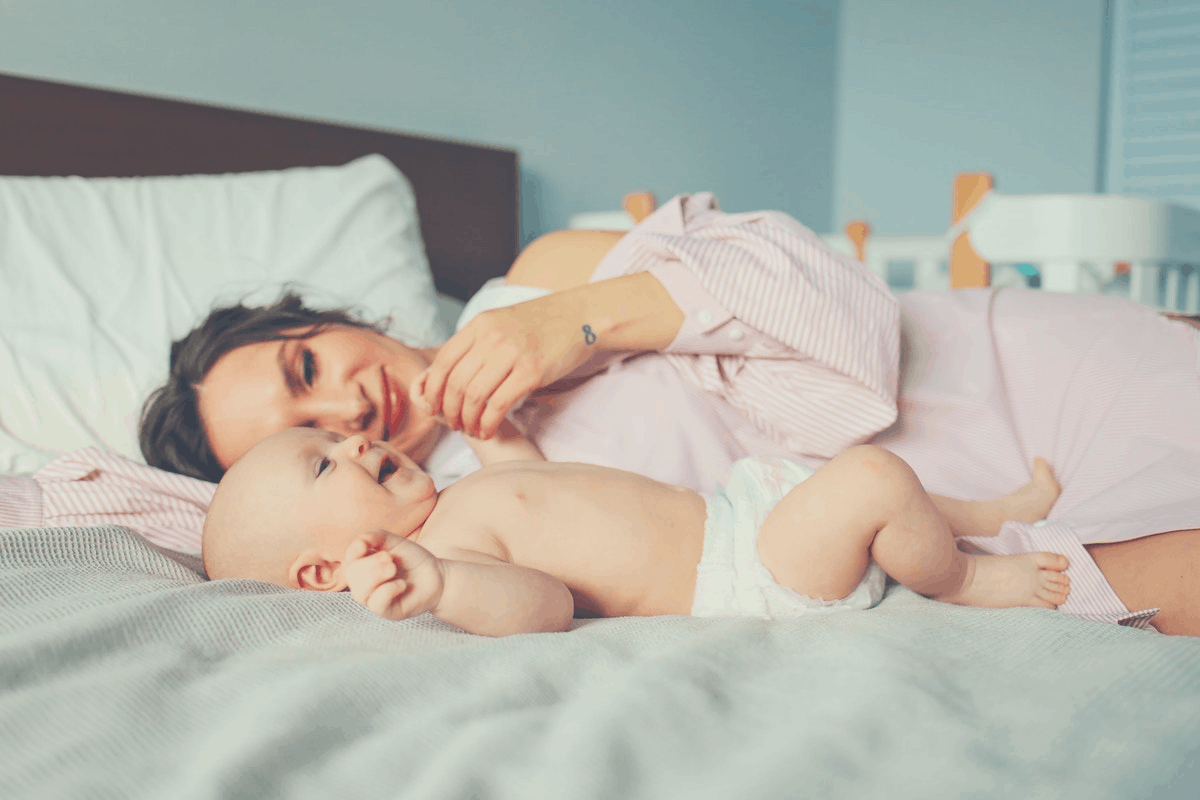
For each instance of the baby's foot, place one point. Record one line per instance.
(1034, 500)
(1027, 579)
(1030, 503)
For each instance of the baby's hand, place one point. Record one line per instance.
(392, 576)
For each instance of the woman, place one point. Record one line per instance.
(751, 337)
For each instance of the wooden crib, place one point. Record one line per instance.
(1145, 250)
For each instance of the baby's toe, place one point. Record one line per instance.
(1051, 561)
(1054, 593)
(1058, 580)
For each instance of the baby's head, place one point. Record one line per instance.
(286, 511)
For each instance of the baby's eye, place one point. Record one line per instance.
(309, 367)
(323, 465)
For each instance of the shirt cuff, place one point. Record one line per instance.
(1092, 597)
(708, 327)
(20, 503)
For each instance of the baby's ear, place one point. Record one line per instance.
(313, 571)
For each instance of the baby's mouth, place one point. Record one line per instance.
(387, 469)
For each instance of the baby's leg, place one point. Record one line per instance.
(867, 503)
(1030, 503)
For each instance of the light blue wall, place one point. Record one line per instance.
(828, 110)
(600, 98)
(931, 88)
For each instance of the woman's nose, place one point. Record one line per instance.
(346, 414)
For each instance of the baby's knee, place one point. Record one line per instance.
(873, 458)
(881, 469)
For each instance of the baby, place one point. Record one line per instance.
(521, 544)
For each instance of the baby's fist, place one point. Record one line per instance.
(392, 576)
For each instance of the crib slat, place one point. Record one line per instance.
(927, 274)
(1171, 299)
(876, 265)
(1062, 276)
(1143, 283)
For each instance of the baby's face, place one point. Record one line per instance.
(335, 488)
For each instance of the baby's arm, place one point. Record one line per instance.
(509, 444)
(397, 578)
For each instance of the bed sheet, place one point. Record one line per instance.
(126, 674)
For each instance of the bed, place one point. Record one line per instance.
(127, 674)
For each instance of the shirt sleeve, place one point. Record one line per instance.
(804, 341)
(95, 487)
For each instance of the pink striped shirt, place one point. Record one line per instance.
(95, 487)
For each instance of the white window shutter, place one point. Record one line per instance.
(1154, 108)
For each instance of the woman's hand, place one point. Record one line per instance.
(392, 576)
(501, 356)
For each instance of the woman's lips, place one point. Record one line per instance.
(393, 407)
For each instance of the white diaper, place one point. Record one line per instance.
(731, 579)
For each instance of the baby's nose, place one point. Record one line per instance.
(357, 444)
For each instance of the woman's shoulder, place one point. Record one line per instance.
(562, 259)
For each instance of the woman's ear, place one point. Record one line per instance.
(311, 570)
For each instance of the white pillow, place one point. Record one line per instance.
(99, 276)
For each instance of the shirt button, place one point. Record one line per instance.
(736, 334)
(704, 317)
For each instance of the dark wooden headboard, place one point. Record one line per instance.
(466, 194)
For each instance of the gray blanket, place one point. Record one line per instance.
(126, 674)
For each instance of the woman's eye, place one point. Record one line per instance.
(309, 366)
(323, 465)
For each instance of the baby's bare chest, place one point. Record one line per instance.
(564, 517)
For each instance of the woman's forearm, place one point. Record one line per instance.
(628, 313)
(631, 313)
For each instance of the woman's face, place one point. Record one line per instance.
(345, 379)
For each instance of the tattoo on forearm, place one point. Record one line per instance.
(589, 336)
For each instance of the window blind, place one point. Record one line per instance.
(1154, 105)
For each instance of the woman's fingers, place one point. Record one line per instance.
(462, 377)
(480, 394)
(444, 362)
(516, 385)
(499, 343)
